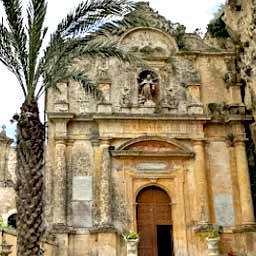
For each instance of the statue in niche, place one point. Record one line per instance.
(148, 88)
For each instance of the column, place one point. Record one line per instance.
(104, 197)
(244, 183)
(59, 184)
(201, 181)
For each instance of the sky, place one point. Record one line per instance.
(192, 14)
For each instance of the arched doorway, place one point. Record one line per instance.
(154, 222)
(12, 220)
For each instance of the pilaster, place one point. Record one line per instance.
(247, 215)
(201, 181)
(60, 173)
(105, 200)
(59, 212)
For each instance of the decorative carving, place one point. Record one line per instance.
(176, 95)
(125, 97)
(192, 74)
(102, 72)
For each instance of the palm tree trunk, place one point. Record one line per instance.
(29, 186)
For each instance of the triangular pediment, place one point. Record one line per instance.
(153, 146)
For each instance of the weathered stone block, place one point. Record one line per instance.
(82, 188)
(82, 214)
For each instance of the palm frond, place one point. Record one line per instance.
(58, 59)
(103, 47)
(90, 14)
(15, 22)
(36, 15)
(7, 55)
(74, 74)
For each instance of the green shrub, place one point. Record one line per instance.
(217, 28)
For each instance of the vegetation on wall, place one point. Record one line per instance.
(217, 27)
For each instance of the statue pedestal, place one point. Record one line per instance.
(105, 108)
(196, 109)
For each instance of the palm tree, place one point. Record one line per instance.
(38, 69)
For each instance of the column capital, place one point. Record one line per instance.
(69, 142)
(60, 140)
(199, 142)
(104, 141)
(240, 140)
(95, 142)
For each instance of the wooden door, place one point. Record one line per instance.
(153, 211)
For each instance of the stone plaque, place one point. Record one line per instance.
(82, 188)
(82, 214)
(151, 166)
(224, 211)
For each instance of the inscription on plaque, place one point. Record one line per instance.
(151, 166)
(82, 214)
(82, 188)
(224, 211)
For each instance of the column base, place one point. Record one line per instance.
(60, 228)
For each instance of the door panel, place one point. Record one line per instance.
(153, 209)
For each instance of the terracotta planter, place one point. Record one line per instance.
(213, 246)
(132, 247)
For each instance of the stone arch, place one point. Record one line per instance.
(172, 142)
(171, 39)
(8, 214)
(148, 40)
(12, 220)
(152, 184)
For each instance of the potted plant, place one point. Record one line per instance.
(132, 240)
(210, 233)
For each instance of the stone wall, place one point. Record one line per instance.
(7, 176)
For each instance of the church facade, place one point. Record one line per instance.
(157, 148)
(161, 151)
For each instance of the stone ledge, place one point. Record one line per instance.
(244, 228)
(103, 229)
(122, 153)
